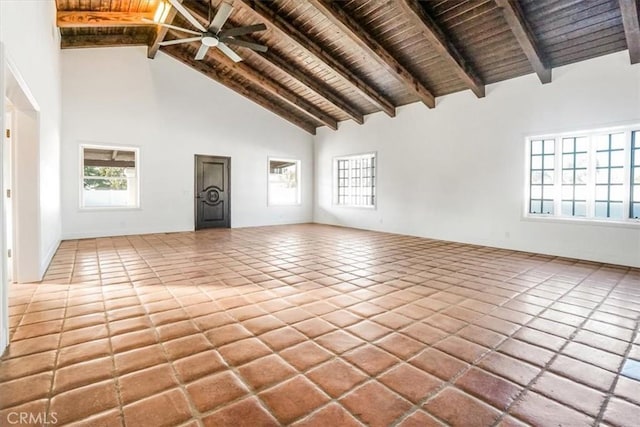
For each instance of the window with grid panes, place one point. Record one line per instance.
(599, 175)
(355, 180)
(634, 208)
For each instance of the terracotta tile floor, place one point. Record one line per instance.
(314, 325)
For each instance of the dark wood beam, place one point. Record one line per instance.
(223, 77)
(445, 48)
(104, 40)
(84, 19)
(296, 74)
(311, 84)
(630, 10)
(273, 87)
(161, 33)
(365, 41)
(302, 41)
(516, 20)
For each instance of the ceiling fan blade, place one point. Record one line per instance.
(173, 27)
(229, 52)
(202, 52)
(189, 17)
(221, 17)
(178, 41)
(254, 46)
(240, 31)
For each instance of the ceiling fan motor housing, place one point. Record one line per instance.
(210, 39)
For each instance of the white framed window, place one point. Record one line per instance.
(355, 180)
(284, 182)
(109, 177)
(589, 175)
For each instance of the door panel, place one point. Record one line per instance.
(212, 198)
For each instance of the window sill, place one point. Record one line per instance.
(631, 223)
(355, 207)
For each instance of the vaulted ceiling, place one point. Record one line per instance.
(330, 61)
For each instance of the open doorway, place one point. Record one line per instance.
(20, 153)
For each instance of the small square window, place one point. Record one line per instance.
(284, 182)
(109, 177)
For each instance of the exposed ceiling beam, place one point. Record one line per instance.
(69, 19)
(302, 41)
(104, 40)
(275, 88)
(445, 48)
(312, 84)
(631, 21)
(161, 33)
(187, 57)
(365, 41)
(298, 75)
(515, 18)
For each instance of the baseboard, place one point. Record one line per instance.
(48, 257)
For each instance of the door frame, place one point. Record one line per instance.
(196, 190)
(25, 159)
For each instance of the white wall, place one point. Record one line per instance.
(31, 43)
(457, 172)
(117, 96)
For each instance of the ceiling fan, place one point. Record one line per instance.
(213, 35)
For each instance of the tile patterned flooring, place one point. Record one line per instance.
(312, 325)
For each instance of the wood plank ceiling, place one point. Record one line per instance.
(331, 61)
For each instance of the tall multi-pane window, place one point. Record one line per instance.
(355, 180)
(575, 159)
(599, 175)
(634, 208)
(542, 176)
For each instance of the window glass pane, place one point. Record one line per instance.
(567, 208)
(547, 207)
(616, 193)
(581, 176)
(617, 158)
(548, 177)
(536, 147)
(549, 146)
(617, 176)
(615, 210)
(601, 209)
(636, 193)
(602, 159)
(601, 142)
(580, 192)
(602, 192)
(580, 209)
(636, 176)
(618, 141)
(636, 210)
(536, 162)
(568, 145)
(536, 206)
(567, 192)
(567, 177)
(536, 177)
(582, 144)
(582, 160)
(536, 191)
(567, 161)
(548, 162)
(602, 176)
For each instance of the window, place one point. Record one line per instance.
(109, 177)
(588, 175)
(355, 180)
(284, 182)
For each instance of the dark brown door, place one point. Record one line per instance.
(212, 192)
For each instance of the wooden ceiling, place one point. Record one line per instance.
(330, 61)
